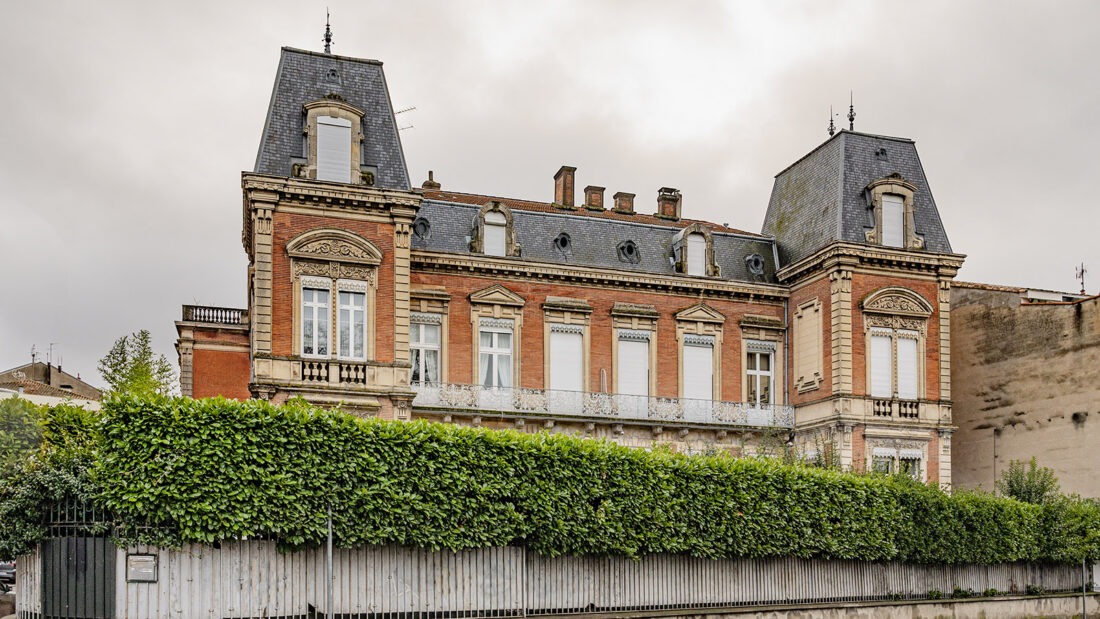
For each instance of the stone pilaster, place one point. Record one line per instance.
(841, 317)
(402, 280)
(944, 298)
(945, 458)
(261, 204)
(185, 347)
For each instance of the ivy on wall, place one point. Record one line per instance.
(175, 471)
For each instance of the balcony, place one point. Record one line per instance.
(215, 315)
(598, 406)
(895, 408)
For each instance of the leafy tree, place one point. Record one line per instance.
(131, 366)
(20, 433)
(1030, 484)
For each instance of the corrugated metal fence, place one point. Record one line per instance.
(253, 579)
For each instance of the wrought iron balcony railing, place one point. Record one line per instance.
(608, 406)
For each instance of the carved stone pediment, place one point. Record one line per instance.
(329, 244)
(700, 312)
(497, 295)
(897, 301)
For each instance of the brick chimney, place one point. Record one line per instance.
(668, 203)
(563, 186)
(593, 198)
(430, 183)
(624, 203)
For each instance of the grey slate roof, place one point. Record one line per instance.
(819, 199)
(303, 76)
(594, 241)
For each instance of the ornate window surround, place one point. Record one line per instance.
(898, 186)
(337, 108)
(348, 262)
(431, 304)
(568, 313)
(700, 320)
(633, 317)
(897, 450)
(680, 251)
(755, 329)
(897, 309)
(477, 238)
(499, 303)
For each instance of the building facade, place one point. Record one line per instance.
(618, 318)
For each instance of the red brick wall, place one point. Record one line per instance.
(460, 354)
(220, 372)
(863, 285)
(934, 456)
(289, 225)
(859, 449)
(822, 290)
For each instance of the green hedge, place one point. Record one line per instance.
(174, 471)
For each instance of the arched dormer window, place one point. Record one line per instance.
(890, 201)
(334, 139)
(693, 249)
(494, 234)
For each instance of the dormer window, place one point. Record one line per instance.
(891, 221)
(696, 255)
(333, 149)
(494, 234)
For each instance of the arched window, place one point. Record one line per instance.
(493, 233)
(693, 251)
(696, 254)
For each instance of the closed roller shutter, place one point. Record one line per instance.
(333, 149)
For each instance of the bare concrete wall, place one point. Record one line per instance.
(1026, 383)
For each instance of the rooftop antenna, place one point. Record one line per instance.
(328, 34)
(411, 108)
(832, 127)
(1081, 276)
(34, 354)
(851, 112)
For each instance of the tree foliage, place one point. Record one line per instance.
(131, 366)
(1030, 484)
(20, 433)
(175, 471)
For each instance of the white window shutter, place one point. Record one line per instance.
(495, 227)
(333, 149)
(893, 227)
(881, 360)
(698, 372)
(696, 254)
(633, 367)
(908, 368)
(566, 361)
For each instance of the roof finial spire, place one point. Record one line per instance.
(328, 34)
(1081, 276)
(851, 112)
(832, 127)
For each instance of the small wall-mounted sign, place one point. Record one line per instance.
(141, 568)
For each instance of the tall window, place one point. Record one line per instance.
(496, 226)
(352, 324)
(893, 221)
(315, 314)
(495, 353)
(696, 254)
(888, 460)
(333, 149)
(633, 378)
(894, 364)
(698, 367)
(424, 345)
(566, 358)
(760, 374)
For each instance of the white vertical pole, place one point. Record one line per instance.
(1084, 589)
(328, 568)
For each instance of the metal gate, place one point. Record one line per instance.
(78, 565)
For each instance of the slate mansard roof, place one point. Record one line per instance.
(305, 76)
(819, 199)
(595, 236)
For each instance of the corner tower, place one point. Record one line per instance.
(869, 267)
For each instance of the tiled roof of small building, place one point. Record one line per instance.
(819, 199)
(304, 76)
(33, 387)
(595, 236)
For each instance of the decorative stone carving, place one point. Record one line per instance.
(894, 304)
(337, 249)
(895, 322)
(402, 234)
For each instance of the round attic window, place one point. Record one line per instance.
(628, 252)
(755, 264)
(563, 243)
(422, 228)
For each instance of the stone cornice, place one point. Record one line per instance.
(494, 267)
(854, 255)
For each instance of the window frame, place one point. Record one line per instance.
(358, 288)
(681, 253)
(333, 108)
(874, 193)
(567, 313)
(633, 317)
(897, 313)
(315, 284)
(755, 349)
(481, 225)
(496, 327)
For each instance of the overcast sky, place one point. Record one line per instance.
(124, 128)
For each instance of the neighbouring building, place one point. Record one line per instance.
(46, 379)
(1027, 376)
(612, 317)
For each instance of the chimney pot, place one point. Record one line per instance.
(668, 203)
(563, 186)
(624, 202)
(593, 198)
(430, 183)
